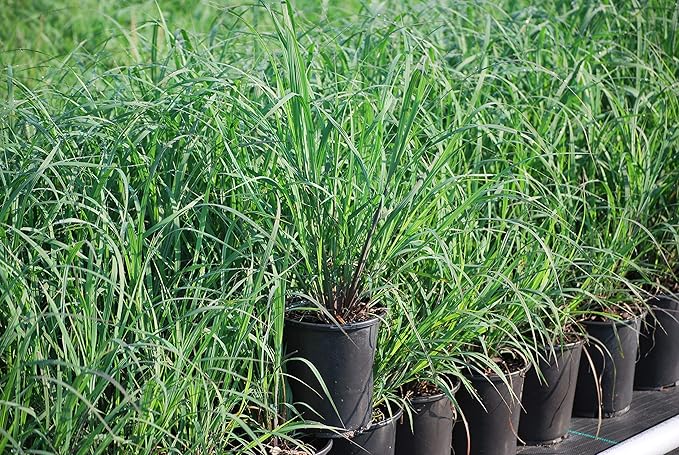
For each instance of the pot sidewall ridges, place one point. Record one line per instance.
(658, 364)
(548, 405)
(344, 359)
(493, 431)
(615, 367)
(432, 427)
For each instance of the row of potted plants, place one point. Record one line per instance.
(579, 243)
(594, 237)
(490, 402)
(604, 377)
(340, 237)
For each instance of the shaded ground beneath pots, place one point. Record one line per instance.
(649, 408)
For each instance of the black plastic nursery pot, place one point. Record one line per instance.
(547, 405)
(658, 364)
(378, 439)
(493, 423)
(432, 426)
(343, 357)
(612, 378)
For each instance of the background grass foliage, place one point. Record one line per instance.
(174, 174)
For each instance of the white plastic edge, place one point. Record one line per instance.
(657, 440)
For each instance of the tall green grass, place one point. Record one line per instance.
(173, 177)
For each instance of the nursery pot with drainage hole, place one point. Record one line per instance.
(378, 439)
(612, 353)
(493, 423)
(547, 404)
(431, 432)
(658, 364)
(343, 357)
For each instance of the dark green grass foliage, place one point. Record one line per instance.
(173, 175)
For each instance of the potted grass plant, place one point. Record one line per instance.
(420, 359)
(618, 198)
(550, 383)
(447, 309)
(485, 322)
(509, 331)
(612, 315)
(549, 393)
(624, 178)
(588, 121)
(490, 400)
(490, 403)
(351, 202)
(544, 250)
(428, 427)
(607, 308)
(415, 366)
(606, 374)
(658, 363)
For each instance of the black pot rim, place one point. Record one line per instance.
(326, 449)
(627, 321)
(371, 427)
(672, 298)
(570, 345)
(427, 399)
(420, 399)
(495, 378)
(326, 327)
(385, 422)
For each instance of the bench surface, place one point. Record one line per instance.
(648, 409)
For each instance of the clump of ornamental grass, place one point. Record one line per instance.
(132, 268)
(172, 182)
(358, 176)
(472, 310)
(584, 137)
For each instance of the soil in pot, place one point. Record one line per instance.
(343, 356)
(547, 405)
(493, 423)
(378, 439)
(658, 364)
(612, 377)
(319, 447)
(433, 416)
